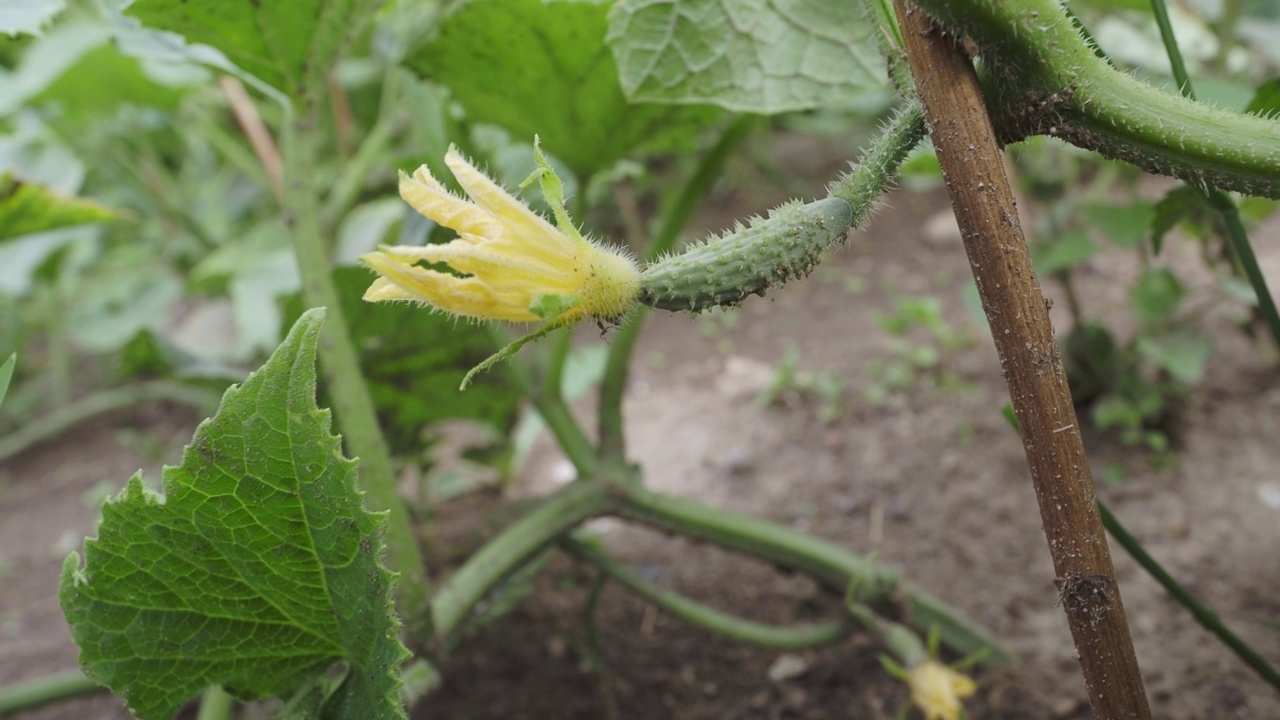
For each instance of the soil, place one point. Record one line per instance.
(932, 481)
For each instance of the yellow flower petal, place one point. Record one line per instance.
(505, 258)
(937, 690)
(429, 198)
(526, 225)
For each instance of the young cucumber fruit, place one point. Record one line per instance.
(748, 261)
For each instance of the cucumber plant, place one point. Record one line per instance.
(267, 544)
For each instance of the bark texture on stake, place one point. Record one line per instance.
(1019, 318)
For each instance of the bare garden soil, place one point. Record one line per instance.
(932, 481)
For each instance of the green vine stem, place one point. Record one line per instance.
(215, 704)
(889, 39)
(1204, 615)
(1238, 239)
(826, 562)
(1179, 67)
(749, 631)
(863, 185)
(555, 412)
(101, 403)
(554, 517)
(43, 691)
(1232, 225)
(900, 640)
(594, 653)
(341, 365)
(613, 384)
(1044, 79)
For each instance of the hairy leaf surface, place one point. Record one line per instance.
(258, 568)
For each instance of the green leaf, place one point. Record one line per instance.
(6, 374)
(542, 68)
(112, 307)
(1060, 253)
(26, 208)
(284, 43)
(745, 55)
(28, 16)
(257, 569)
(102, 80)
(1125, 225)
(1183, 354)
(1179, 205)
(1156, 297)
(1266, 100)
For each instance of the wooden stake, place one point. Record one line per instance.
(1019, 317)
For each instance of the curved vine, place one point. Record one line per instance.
(1043, 78)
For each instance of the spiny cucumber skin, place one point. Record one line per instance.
(748, 261)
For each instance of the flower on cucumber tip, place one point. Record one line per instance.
(507, 263)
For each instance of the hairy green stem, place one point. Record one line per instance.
(36, 693)
(613, 385)
(692, 611)
(826, 562)
(868, 180)
(341, 365)
(1207, 618)
(555, 412)
(215, 704)
(372, 150)
(1044, 79)
(517, 543)
(101, 403)
(1233, 227)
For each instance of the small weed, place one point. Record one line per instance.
(825, 387)
(921, 339)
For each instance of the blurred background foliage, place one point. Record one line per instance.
(176, 266)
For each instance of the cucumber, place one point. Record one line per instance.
(726, 269)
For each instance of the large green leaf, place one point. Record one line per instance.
(258, 569)
(102, 80)
(413, 361)
(542, 68)
(762, 56)
(26, 208)
(282, 42)
(28, 16)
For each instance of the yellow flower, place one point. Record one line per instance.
(937, 689)
(507, 263)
